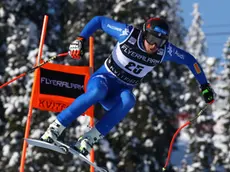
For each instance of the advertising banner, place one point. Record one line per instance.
(57, 86)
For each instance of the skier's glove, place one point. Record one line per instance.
(207, 93)
(76, 48)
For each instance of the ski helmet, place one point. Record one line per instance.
(156, 31)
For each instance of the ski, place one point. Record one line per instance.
(63, 149)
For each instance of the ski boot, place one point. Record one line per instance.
(85, 143)
(53, 132)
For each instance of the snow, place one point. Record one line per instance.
(148, 143)
(211, 61)
(6, 150)
(36, 133)
(11, 20)
(129, 133)
(105, 147)
(9, 109)
(218, 127)
(2, 12)
(21, 44)
(153, 5)
(14, 159)
(119, 5)
(187, 96)
(11, 48)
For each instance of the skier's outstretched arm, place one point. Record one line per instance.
(108, 25)
(115, 29)
(180, 56)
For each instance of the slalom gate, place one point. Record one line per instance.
(55, 87)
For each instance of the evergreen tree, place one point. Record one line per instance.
(23, 22)
(3, 60)
(200, 148)
(137, 144)
(221, 113)
(196, 45)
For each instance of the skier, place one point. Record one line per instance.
(136, 53)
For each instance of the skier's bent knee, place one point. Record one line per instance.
(128, 98)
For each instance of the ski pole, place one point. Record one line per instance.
(33, 69)
(176, 133)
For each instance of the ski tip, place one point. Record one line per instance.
(46, 145)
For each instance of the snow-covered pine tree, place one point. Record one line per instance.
(23, 22)
(143, 136)
(3, 30)
(221, 113)
(200, 149)
(196, 45)
(19, 39)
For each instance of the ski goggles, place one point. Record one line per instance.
(152, 39)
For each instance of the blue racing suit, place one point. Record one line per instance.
(111, 85)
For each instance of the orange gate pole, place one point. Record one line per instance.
(91, 65)
(29, 116)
